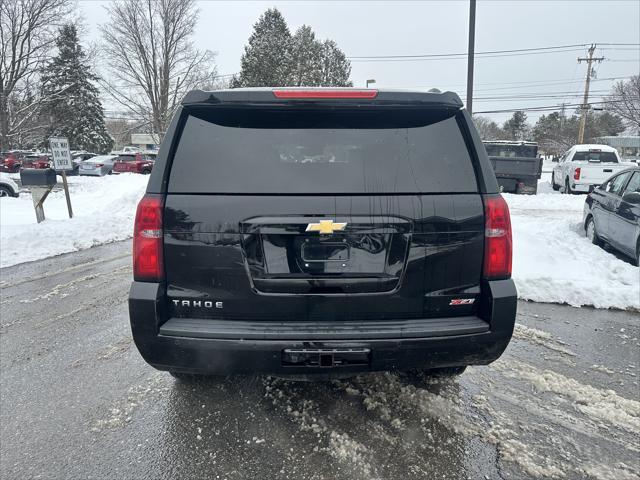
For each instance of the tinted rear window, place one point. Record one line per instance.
(321, 151)
(608, 157)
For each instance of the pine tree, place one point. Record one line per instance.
(336, 69)
(516, 127)
(274, 58)
(266, 61)
(72, 100)
(306, 56)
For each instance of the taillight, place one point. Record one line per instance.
(147, 240)
(497, 238)
(328, 93)
(576, 174)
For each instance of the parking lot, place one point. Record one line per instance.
(79, 402)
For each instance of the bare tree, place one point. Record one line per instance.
(487, 128)
(151, 57)
(625, 102)
(27, 34)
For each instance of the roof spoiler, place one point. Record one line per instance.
(268, 95)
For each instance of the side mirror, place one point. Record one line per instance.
(631, 197)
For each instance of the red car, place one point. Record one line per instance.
(133, 163)
(10, 163)
(36, 161)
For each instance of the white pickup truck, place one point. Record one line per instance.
(584, 167)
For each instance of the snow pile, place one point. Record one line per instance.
(103, 207)
(554, 262)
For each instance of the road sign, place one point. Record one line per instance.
(61, 163)
(61, 154)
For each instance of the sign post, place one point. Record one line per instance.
(61, 163)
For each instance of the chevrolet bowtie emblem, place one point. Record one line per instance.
(325, 226)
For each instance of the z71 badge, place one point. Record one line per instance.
(462, 301)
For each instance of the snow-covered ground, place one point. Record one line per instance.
(553, 261)
(103, 207)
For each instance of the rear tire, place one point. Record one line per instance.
(555, 186)
(567, 187)
(184, 377)
(445, 371)
(6, 191)
(591, 232)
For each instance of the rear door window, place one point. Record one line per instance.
(616, 184)
(605, 157)
(634, 184)
(321, 152)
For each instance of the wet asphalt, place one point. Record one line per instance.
(77, 401)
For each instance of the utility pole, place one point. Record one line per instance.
(470, 54)
(585, 102)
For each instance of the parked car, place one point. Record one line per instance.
(10, 163)
(8, 188)
(134, 163)
(127, 149)
(583, 167)
(77, 158)
(516, 165)
(99, 165)
(321, 232)
(36, 160)
(612, 213)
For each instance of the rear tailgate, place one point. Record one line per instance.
(595, 166)
(322, 214)
(597, 173)
(516, 167)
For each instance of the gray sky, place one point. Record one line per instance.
(430, 27)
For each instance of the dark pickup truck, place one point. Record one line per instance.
(321, 232)
(516, 165)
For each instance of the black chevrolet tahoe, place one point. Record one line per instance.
(321, 231)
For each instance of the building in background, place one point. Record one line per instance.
(628, 146)
(145, 141)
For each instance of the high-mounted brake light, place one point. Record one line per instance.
(576, 173)
(147, 240)
(497, 238)
(317, 93)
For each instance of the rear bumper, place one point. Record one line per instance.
(584, 187)
(232, 347)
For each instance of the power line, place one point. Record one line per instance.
(551, 84)
(456, 57)
(435, 55)
(548, 108)
(523, 84)
(490, 52)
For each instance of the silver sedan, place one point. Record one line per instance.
(97, 166)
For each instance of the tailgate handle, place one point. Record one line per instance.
(607, 170)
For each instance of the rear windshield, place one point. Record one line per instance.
(608, 157)
(322, 151)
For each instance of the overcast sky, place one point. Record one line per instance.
(430, 27)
